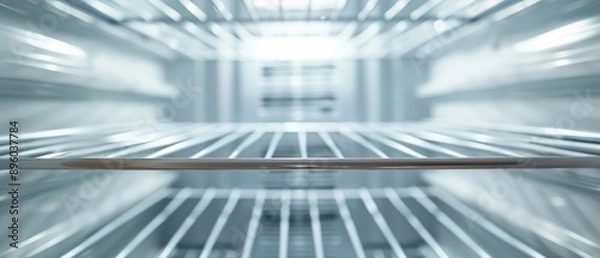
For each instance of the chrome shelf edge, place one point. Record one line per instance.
(309, 163)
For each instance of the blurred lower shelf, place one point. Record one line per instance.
(386, 222)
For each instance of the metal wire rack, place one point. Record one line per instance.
(303, 223)
(416, 221)
(425, 145)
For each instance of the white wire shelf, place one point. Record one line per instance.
(258, 146)
(410, 222)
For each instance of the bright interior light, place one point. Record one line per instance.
(299, 4)
(296, 48)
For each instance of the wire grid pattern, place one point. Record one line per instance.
(302, 223)
(425, 145)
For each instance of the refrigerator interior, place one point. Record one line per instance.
(302, 128)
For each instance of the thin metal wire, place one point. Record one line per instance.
(169, 141)
(64, 235)
(177, 201)
(219, 144)
(81, 147)
(246, 143)
(360, 140)
(400, 147)
(322, 194)
(393, 197)
(242, 32)
(439, 215)
(90, 150)
(560, 138)
(367, 9)
(302, 144)
(65, 146)
(539, 131)
(284, 226)
(584, 220)
(315, 222)
(565, 238)
(69, 229)
(395, 9)
(550, 137)
(254, 223)
(579, 146)
(424, 9)
(220, 131)
(313, 163)
(349, 224)
(189, 221)
(483, 138)
(331, 144)
(273, 145)
(220, 6)
(66, 230)
(211, 39)
(78, 131)
(436, 137)
(165, 9)
(36, 143)
(402, 137)
(116, 223)
(487, 225)
(194, 9)
(381, 223)
(220, 224)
